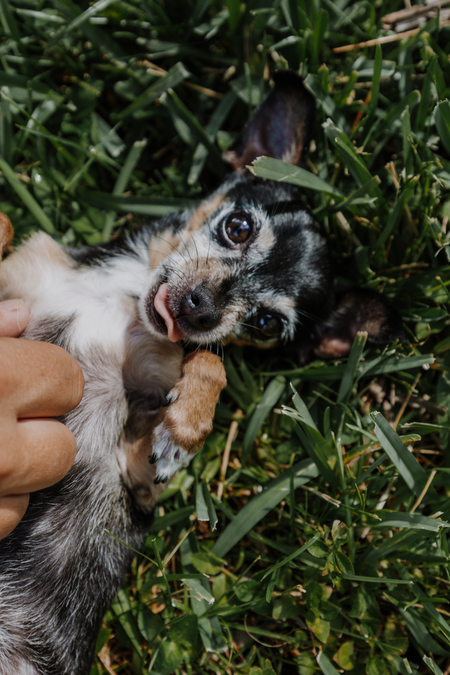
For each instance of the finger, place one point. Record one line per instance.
(14, 316)
(39, 454)
(42, 380)
(12, 510)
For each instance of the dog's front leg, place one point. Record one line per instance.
(189, 416)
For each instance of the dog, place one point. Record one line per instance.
(249, 265)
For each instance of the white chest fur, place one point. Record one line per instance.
(101, 301)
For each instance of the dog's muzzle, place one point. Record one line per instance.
(190, 312)
(198, 310)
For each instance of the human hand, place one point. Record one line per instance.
(38, 381)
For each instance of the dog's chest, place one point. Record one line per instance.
(100, 304)
(94, 306)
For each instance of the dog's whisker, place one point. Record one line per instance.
(175, 248)
(183, 239)
(196, 249)
(209, 245)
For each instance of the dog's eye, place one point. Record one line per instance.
(238, 227)
(268, 325)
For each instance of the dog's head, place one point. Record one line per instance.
(250, 264)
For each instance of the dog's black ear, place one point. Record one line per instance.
(281, 127)
(358, 310)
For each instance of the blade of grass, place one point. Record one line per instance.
(8, 21)
(325, 665)
(110, 534)
(433, 613)
(6, 130)
(178, 108)
(442, 120)
(394, 364)
(375, 88)
(39, 89)
(407, 142)
(403, 540)
(93, 33)
(395, 216)
(354, 359)
(209, 627)
(296, 553)
(408, 467)
(27, 198)
(260, 505)
(350, 157)
(234, 14)
(389, 122)
(145, 206)
(198, 590)
(374, 580)
(423, 110)
(315, 445)
(171, 519)
(282, 172)
(204, 505)
(386, 363)
(201, 152)
(255, 630)
(129, 625)
(122, 182)
(421, 633)
(81, 18)
(177, 74)
(405, 520)
(358, 197)
(432, 665)
(269, 399)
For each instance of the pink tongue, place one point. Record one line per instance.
(161, 305)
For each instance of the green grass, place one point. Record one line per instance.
(331, 548)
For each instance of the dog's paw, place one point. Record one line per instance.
(189, 413)
(169, 456)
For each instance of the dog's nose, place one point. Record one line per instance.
(198, 309)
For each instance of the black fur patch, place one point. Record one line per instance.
(95, 256)
(53, 330)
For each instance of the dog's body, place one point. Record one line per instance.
(249, 264)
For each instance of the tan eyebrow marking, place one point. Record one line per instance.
(203, 212)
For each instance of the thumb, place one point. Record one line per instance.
(14, 316)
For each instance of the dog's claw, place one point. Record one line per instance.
(160, 479)
(170, 457)
(170, 398)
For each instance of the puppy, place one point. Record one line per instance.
(248, 265)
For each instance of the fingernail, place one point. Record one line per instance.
(12, 305)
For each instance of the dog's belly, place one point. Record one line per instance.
(59, 548)
(46, 624)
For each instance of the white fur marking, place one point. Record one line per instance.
(170, 457)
